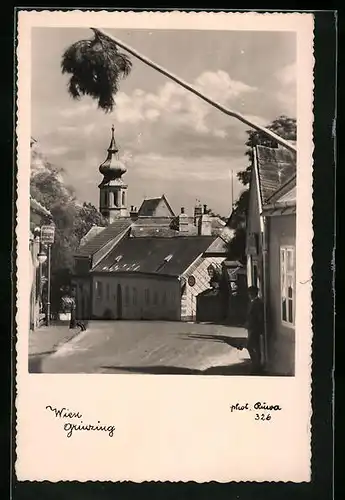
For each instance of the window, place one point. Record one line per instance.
(164, 298)
(255, 274)
(108, 291)
(135, 296)
(155, 298)
(287, 284)
(123, 198)
(126, 295)
(99, 289)
(147, 296)
(116, 203)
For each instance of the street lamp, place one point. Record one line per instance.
(47, 238)
(41, 257)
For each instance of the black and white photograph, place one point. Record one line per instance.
(160, 164)
(163, 231)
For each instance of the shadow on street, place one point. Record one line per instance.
(35, 361)
(243, 368)
(237, 342)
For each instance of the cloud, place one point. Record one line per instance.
(58, 151)
(287, 75)
(79, 110)
(286, 95)
(220, 86)
(179, 106)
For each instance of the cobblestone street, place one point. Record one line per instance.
(140, 347)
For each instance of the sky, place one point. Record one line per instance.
(170, 140)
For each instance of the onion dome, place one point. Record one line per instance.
(111, 168)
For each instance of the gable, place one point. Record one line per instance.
(275, 167)
(155, 207)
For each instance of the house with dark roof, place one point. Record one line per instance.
(270, 250)
(146, 278)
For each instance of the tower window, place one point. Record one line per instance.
(123, 198)
(115, 198)
(105, 198)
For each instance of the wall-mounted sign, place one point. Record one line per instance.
(47, 234)
(191, 281)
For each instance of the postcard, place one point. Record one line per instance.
(164, 246)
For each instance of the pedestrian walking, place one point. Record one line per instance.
(255, 327)
(73, 321)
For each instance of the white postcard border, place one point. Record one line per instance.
(168, 428)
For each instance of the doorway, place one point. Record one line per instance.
(119, 301)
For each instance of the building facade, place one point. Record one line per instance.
(39, 215)
(270, 247)
(280, 213)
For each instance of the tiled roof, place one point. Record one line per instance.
(149, 221)
(101, 239)
(288, 197)
(218, 246)
(153, 230)
(275, 167)
(287, 192)
(167, 256)
(153, 226)
(149, 205)
(91, 234)
(168, 227)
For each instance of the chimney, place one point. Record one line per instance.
(205, 225)
(183, 221)
(133, 213)
(197, 213)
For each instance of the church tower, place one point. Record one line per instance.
(112, 189)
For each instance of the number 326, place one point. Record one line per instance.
(262, 416)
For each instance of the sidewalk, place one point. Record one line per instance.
(46, 339)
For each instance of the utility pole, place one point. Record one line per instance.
(49, 279)
(231, 172)
(48, 236)
(232, 189)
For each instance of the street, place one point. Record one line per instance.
(145, 347)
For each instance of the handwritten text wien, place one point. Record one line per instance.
(70, 427)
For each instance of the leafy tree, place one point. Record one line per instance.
(283, 126)
(72, 221)
(87, 217)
